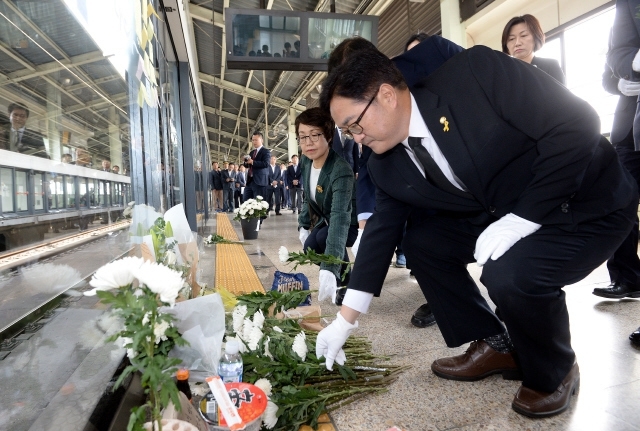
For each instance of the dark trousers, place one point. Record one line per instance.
(296, 198)
(273, 193)
(317, 241)
(237, 198)
(252, 190)
(624, 265)
(526, 283)
(228, 199)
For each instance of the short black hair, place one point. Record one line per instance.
(360, 76)
(319, 118)
(345, 49)
(257, 133)
(419, 37)
(14, 106)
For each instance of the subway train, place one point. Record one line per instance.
(42, 198)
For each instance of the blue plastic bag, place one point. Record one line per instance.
(287, 282)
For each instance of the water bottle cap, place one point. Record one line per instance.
(182, 374)
(232, 346)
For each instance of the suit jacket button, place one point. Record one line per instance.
(564, 210)
(564, 205)
(492, 209)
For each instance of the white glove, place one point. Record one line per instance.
(331, 339)
(303, 235)
(328, 285)
(501, 235)
(629, 88)
(635, 65)
(356, 245)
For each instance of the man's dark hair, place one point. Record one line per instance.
(419, 37)
(14, 106)
(287, 45)
(319, 118)
(360, 76)
(532, 24)
(231, 163)
(257, 133)
(345, 49)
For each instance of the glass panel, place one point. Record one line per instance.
(39, 193)
(108, 190)
(22, 191)
(6, 177)
(326, 34)
(71, 192)
(91, 198)
(59, 194)
(264, 36)
(101, 194)
(84, 196)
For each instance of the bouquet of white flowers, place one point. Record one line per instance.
(252, 208)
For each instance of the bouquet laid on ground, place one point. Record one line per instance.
(251, 208)
(218, 239)
(136, 290)
(279, 357)
(310, 257)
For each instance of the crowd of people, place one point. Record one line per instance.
(447, 157)
(287, 52)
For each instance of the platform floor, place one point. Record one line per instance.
(609, 398)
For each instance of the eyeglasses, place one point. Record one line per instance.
(355, 128)
(304, 140)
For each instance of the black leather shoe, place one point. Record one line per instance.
(618, 291)
(423, 317)
(635, 338)
(340, 295)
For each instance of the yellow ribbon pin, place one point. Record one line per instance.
(443, 120)
(319, 189)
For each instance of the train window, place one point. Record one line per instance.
(71, 192)
(84, 195)
(326, 34)
(22, 191)
(56, 192)
(91, 193)
(101, 193)
(6, 178)
(38, 192)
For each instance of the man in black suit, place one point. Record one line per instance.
(347, 149)
(522, 183)
(294, 184)
(20, 139)
(241, 182)
(274, 187)
(228, 187)
(215, 182)
(257, 166)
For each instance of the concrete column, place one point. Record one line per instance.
(452, 28)
(115, 144)
(54, 119)
(292, 142)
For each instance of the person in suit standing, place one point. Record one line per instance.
(274, 187)
(623, 60)
(522, 37)
(18, 138)
(521, 182)
(215, 182)
(283, 187)
(331, 198)
(241, 182)
(294, 184)
(347, 149)
(228, 186)
(257, 165)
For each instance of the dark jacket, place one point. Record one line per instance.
(519, 140)
(292, 174)
(276, 175)
(349, 151)
(335, 204)
(550, 67)
(31, 143)
(259, 168)
(215, 180)
(228, 174)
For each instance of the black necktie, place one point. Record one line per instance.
(432, 170)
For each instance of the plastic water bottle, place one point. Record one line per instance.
(230, 366)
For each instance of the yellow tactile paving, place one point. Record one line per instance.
(234, 271)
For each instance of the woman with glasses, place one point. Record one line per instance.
(328, 222)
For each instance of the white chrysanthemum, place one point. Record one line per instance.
(145, 318)
(125, 341)
(235, 211)
(159, 331)
(251, 212)
(238, 317)
(259, 198)
(265, 385)
(258, 319)
(283, 254)
(269, 417)
(300, 346)
(247, 327)
(114, 275)
(161, 280)
(265, 204)
(254, 338)
(277, 329)
(138, 293)
(267, 353)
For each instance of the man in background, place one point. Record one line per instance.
(18, 138)
(215, 181)
(228, 186)
(294, 182)
(273, 189)
(257, 165)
